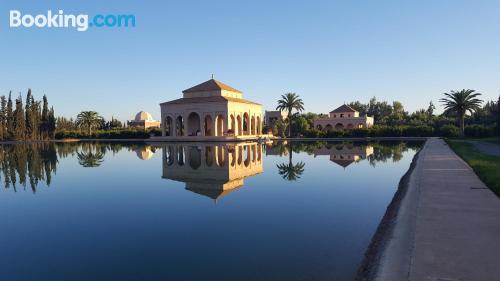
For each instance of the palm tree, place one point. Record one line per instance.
(90, 159)
(289, 102)
(461, 102)
(89, 120)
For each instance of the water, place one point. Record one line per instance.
(96, 211)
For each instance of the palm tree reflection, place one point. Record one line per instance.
(290, 171)
(90, 159)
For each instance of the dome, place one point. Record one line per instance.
(145, 153)
(143, 116)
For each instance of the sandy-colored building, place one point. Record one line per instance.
(211, 110)
(344, 154)
(212, 170)
(343, 117)
(143, 120)
(272, 116)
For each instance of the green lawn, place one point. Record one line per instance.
(487, 167)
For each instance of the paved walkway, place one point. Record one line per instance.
(448, 227)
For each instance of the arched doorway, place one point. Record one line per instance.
(209, 157)
(246, 122)
(319, 127)
(219, 124)
(232, 124)
(179, 126)
(240, 131)
(220, 155)
(339, 126)
(328, 127)
(168, 126)
(180, 155)
(209, 130)
(194, 124)
(169, 155)
(350, 126)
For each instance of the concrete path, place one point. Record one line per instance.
(448, 226)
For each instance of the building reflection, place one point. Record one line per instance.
(145, 152)
(344, 154)
(212, 170)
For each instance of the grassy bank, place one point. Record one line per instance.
(487, 167)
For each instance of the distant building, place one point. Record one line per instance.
(211, 110)
(345, 154)
(272, 116)
(143, 120)
(344, 117)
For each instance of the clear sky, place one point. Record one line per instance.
(326, 51)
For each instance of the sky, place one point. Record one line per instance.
(328, 52)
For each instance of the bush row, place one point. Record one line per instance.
(449, 131)
(108, 134)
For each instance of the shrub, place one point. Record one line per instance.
(479, 131)
(418, 131)
(108, 134)
(449, 131)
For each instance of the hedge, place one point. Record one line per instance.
(108, 134)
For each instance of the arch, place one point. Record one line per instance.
(168, 126)
(246, 122)
(252, 126)
(179, 126)
(339, 126)
(328, 127)
(240, 126)
(220, 156)
(233, 157)
(232, 122)
(219, 125)
(361, 125)
(350, 126)
(209, 156)
(254, 153)
(259, 129)
(180, 156)
(194, 157)
(240, 155)
(259, 152)
(193, 124)
(319, 127)
(209, 130)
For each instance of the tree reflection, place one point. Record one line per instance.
(90, 159)
(290, 171)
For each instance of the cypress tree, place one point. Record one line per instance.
(51, 126)
(19, 120)
(29, 116)
(10, 118)
(3, 109)
(44, 118)
(498, 116)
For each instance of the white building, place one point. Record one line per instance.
(343, 117)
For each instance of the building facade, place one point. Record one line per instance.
(211, 110)
(343, 117)
(143, 120)
(272, 116)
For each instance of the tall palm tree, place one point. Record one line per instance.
(89, 120)
(288, 103)
(461, 102)
(90, 159)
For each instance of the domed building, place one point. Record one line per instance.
(143, 120)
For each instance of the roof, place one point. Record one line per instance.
(210, 85)
(209, 99)
(343, 163)
(343, 108)
(143, 116)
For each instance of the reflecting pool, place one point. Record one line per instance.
(237, 211)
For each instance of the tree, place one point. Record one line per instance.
(19, 120)
(290, 171)
(88, 120)
(9, 115)
(51, 123)
(498, 116)
(461, 102)
(3, 111)
(44, 118)
(289, 102)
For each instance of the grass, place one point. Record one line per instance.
(487, 167)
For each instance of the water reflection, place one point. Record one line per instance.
(212, 170)
(344, 154)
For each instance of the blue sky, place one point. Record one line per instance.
(326, 51)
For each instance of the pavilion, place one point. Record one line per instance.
(209, 111)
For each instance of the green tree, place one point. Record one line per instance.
(459, 103)
(51, 123)
(290, 171)
(498, 116)
(3, 123)
(288, 103)
(10, 118)
(19, 120)
(88, 120)
(44, 118)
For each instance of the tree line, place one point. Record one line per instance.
(32, 121)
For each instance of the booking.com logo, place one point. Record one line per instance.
(61, 20)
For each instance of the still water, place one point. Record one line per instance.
(108, 211)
